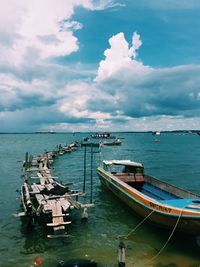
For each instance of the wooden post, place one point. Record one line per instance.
(25, 164)
(84, 215)
(121, 254)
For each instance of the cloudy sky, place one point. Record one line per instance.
(91, 65)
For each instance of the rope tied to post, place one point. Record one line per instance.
(169, 238)
(123, 237)
(122, 247)
(136, 227)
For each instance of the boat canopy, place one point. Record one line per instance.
(102, 135)
(122, 162)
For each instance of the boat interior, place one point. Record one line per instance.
(139, 182)
(161, 191)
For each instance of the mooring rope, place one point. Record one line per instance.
(163, 247)
(135, 228)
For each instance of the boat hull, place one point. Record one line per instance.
(112, 143)
(186, 224)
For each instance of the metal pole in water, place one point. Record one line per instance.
(84, 175)
(91, 175)
(121, 254)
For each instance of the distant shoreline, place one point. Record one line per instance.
(173, 131)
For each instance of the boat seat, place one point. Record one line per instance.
(139, 177)
(130, 177)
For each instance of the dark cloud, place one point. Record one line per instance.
(33, 119)
(169, 92)
(41, 88)
(163, 92)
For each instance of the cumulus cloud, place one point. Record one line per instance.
(36, 21)
(120, 58)
(43, 28)
(37, 93)
(133, 90)
(168, 91)
(29, 82)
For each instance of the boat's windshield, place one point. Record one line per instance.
(126, 169)
(117, 168)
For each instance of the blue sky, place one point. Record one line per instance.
(86, 65)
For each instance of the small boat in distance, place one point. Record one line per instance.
(156, 133)
(103, 135)
(161, 203)
(115, 142)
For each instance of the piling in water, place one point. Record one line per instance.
(121, 254)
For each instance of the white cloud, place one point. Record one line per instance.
(41, 28)
(126, 94)
(136, 43)
(102, 4)
(74, 99)
(141, 91)
(120, 60)
(75, 25)
(41, 19)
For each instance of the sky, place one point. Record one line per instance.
(99, 65)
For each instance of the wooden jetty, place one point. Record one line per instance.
(43, 196)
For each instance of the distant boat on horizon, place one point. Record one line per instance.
(103, 135)
(115, 142)
(156, 133)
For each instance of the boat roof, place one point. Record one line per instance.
(123, 162)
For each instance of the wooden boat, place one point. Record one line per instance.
(161, 203)
(115, 142)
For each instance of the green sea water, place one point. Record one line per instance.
(175, 159)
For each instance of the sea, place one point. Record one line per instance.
(174, 158)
